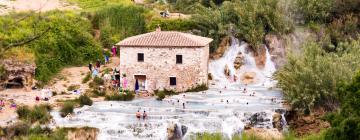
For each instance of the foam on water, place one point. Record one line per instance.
(206, 111)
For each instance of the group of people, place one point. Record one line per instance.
(95, 69)
(118, 82)
(138, 115)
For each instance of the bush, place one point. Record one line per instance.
(118, 22)
(36, 114)
(86, 78)
(23, 112)
(198, 88)
(170, 24)
(220, 136)
(311, 79)
(17, 129)
(41, 114)
(120, 97)
(208, 136)
(97, 81)
(249, 20)
(345, 124)
(315, 10)
(22, 131)
(98, 93)
(39, 130)
(73, 87)
(85, 100)
(162, 93)
(68, 108)
(2, 72)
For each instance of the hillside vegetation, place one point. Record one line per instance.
(56, 39)
(320, 75)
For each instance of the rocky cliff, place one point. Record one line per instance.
(17, 74)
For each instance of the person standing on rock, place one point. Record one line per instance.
(90, 67)
(98, 65)
(113, 50)
(107, 60)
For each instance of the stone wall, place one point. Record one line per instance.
(160, 64)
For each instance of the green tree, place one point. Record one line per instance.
(57, 39)
(250, 20)
(118, 22)
(315, 10)
(311, 79)
(346, 123)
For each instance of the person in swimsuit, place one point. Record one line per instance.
(138, 114)
(144, 115)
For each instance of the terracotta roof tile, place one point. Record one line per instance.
(166, 39)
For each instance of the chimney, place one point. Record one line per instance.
(158, 28)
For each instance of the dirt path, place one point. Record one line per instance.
(74, 76)
(34, 5)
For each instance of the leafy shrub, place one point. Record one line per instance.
(41, 114)
(128, 96)
(198, 88)
(22, 131)
(209, 136)
(2, 72)
(343, 29)
(170, 24)
(162, 93)
(345, 124)
(17, 129)
(85, 100)
(98, 93)
(97, 81)
(86, 78)
(249, 20)
(39, 130)
(220, 136)
(315, 10)
(37, 113)
(73, 87)
(93, 5)
(118, 22)
(311, 79)
(68, 108)
(23, 112)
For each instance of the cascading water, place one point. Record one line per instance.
(218, 109)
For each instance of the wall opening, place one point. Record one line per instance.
(15, 83)
(141, 81)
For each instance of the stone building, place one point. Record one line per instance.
(165, 60)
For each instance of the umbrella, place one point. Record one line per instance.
(136, 85)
